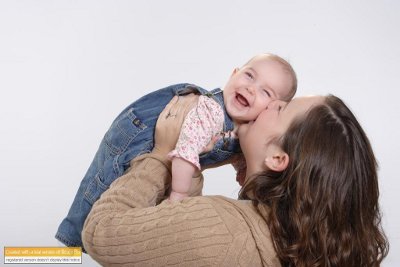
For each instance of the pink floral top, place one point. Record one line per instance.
(201, 123)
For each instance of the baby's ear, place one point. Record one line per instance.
(235, 70)
(277, 159)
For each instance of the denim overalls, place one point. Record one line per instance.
(130, 135)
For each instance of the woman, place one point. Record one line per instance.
(310, 198)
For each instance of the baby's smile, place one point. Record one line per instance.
(242, 100)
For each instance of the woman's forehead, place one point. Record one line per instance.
(308, 100)
(303, 103)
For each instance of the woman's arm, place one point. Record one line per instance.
(125, 226)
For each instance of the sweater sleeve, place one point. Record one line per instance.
(125, 228)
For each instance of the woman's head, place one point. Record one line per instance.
(320, 181)
(258, 138)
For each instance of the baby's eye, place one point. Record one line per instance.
(267, 93)
(248, 74)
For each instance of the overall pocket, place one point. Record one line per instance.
(95, 188)
(123, 130)
(117, 143)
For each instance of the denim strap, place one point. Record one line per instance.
(218, 95)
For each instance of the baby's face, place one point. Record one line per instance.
(251, 88)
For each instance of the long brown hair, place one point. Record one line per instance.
(324, 207)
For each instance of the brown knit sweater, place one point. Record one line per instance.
(126, 228)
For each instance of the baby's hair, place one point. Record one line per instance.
(286, 66)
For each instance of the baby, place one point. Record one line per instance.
(249, 90)
(247, 93)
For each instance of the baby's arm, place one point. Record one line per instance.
(182, 173)
(200, 125)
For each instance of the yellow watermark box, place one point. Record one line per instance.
(50, 255)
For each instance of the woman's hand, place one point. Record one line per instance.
(170, 121)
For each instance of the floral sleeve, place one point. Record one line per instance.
(200, 125)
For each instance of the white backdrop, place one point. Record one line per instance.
(67, 68)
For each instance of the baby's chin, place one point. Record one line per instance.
(238, 116)
(244, 114)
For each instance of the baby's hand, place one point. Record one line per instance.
(214, 140)
(211, 145)
(176, 196)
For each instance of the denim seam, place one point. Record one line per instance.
(60, 237)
